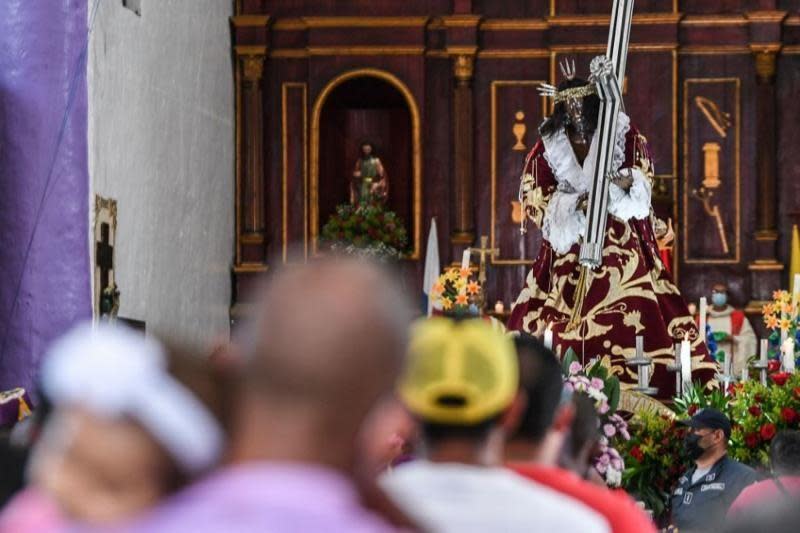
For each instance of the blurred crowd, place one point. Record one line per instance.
(333, 409)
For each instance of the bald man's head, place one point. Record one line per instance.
(328, 335)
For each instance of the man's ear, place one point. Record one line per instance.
(563, 418)
(512, 416)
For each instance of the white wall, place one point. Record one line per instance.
(161, 144)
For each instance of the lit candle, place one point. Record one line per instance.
(465, 259)
(548, 337)
(764, 351)
(702, 326)
(686, 362)
(788, 355)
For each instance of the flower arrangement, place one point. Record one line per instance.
(781, 315)
(454, 293)
(604, 390)
(367, 230)
(654, 459)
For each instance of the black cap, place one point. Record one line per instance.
(711, 419)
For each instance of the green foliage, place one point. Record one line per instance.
(366, 227)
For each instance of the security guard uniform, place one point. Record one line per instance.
(702, 505)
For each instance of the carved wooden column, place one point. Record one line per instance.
(464, 160)
(765, 269)
(250, 52)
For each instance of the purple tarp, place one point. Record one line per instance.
(44, 288)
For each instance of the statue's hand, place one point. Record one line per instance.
(622, 178)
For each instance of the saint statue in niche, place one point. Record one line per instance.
(369, 182)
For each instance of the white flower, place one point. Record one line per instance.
(613, 477)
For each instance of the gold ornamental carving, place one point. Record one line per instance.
(253, 67)
(766, 65)
(463, 67)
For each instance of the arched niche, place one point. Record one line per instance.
(366, 104)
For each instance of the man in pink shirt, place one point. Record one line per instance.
(324, 349)
(784, 456)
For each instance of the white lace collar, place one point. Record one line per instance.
(560, 156)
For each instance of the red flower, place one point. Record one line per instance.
(732, 389)
(773, 366)
(637, 454)
(780, 378)
(758, 398)
(767, 431)
(788, 414)
(751, 439)
(691, 410)
(754, 410)
(796, 392)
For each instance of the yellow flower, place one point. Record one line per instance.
(785, 323)
(473, 287)
(768, 309)
(461, 299)
(771, 321)
(782, 296)
(451, 274)
(464, 273)
(460, 284)
(786, 307)
(447, 303)
(438, 288)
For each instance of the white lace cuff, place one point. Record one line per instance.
(632, 204)
(563, 223)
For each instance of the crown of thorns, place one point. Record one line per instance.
(568, 70)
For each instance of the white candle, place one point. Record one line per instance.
(727, 364)
(677, 374)
(645, 375)
(639, 346)
(788, 355)
(548, 337)
(686, 363)
(795, 293)
(764, 350)
(465, 259)
(745, 375)
(703, 310)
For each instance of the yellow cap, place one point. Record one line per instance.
(459, 373)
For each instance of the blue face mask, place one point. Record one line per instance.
(719, 299)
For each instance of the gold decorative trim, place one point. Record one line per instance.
(249, 21)
(792, 20)
(640, 19)
(365, 50)
(493, 160)
(765, 266)
(461, 21)
(459, 50)
(289, 24)
(365, 22)
(714, 20)
(766, 16)
(519, 53)
(416, 129)
(687, 165)
(791, 50)
(250, 50)
(250, 268)
(589, 48)
(285, 86)
(252, 238)
(288, 53)
(722, 49)
(513, 24)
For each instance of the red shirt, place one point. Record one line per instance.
(762, 492)
(621, 512)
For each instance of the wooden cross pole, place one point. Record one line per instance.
(483, 251)
(607, 73)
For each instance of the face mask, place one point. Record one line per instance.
(691, 443)
(719, 299)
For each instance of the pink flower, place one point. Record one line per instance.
(616, 463)
(574, 368)
(604, 459)
(603, 408)
(601, 468)
(569, 386)
(597, 383)
(609, 430)
(624, 432)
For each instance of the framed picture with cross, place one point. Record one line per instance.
(105, 231)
